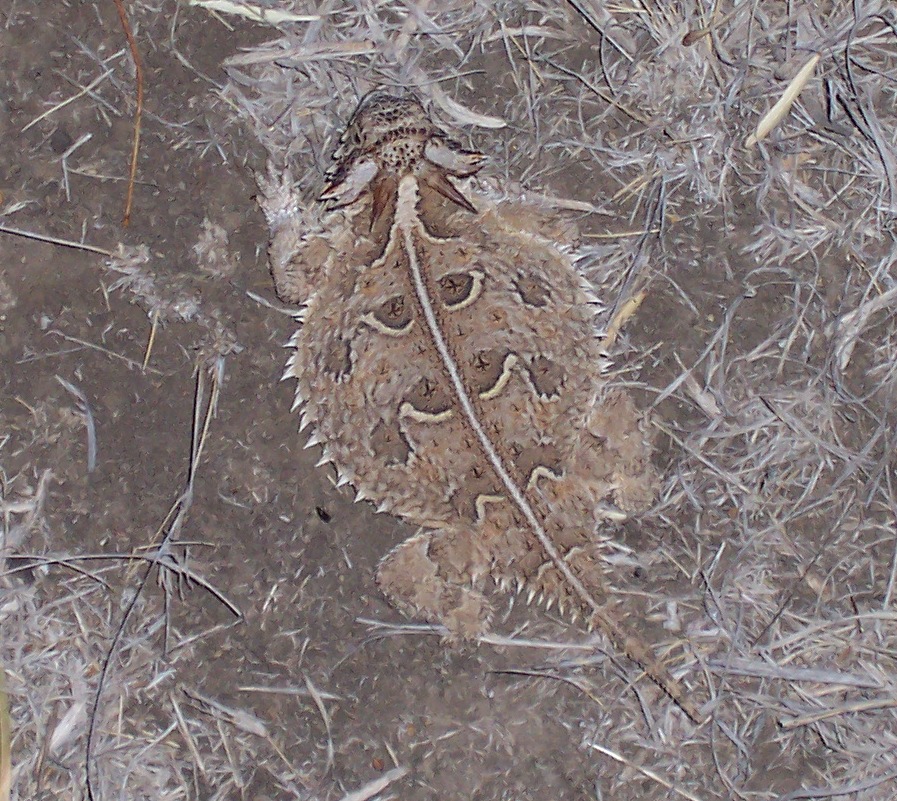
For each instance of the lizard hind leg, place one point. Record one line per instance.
(422, 578)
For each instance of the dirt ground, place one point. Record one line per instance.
(257, 659)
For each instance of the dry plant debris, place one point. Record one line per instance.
(765, 344)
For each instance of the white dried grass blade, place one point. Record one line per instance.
(54, 240)
(376, 786)
(64, 732)
(780, 110)
(381, 628)
(254, 12)
(853, 323)
(703, 398)
(527, 31)
(12, 536)
(565, 204)
(269, 305)
(288, 691)
(188, 737)
(864, 705)
(14, 206)
(90, 425)
(315, 52)
(319, 703)
(650, 774)
(463, 115)
(5, 739)
(240, 718)
(748, 667)
(329, 51)
(86, 90)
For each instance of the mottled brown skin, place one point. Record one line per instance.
(402, 261)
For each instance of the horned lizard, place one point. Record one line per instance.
(448, 363)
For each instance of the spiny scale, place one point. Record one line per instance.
(448, 363)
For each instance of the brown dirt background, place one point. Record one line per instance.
(711, 574)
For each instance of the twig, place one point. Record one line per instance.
(138, 111)
(151, 340)
(170, 526)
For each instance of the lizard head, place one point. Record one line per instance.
(387, 138)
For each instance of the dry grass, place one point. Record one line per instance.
(775, 392)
